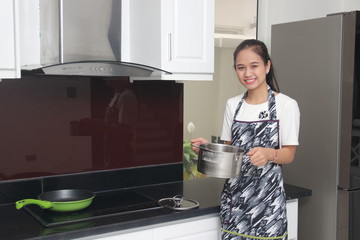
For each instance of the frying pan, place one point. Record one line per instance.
(65, 200)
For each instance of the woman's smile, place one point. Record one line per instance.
(250, 80)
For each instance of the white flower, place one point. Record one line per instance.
(191, 127)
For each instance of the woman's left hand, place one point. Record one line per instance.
(259, 156)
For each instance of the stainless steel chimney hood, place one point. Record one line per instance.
(95, 68)
(83, 37)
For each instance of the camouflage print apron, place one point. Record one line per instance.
(254, 205)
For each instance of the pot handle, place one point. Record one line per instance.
(43, 204)
(197, 148)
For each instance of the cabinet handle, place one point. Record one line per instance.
(170, 53)
(61, 31)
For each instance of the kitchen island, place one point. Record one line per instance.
(19, 224)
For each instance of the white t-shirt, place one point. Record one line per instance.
(287, 111)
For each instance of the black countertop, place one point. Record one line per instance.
(18, 224)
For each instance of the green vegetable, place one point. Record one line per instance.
(190, 162)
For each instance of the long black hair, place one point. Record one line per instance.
(259, 48)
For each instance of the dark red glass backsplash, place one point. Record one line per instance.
(52, 125)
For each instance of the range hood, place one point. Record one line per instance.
(80, 37)
(95, 68)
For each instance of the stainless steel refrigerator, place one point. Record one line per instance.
(317, 62)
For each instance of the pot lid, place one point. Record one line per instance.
(178, 203)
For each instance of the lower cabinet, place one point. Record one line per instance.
(208, 229)
(201, 228)
(292, 215)
(205, 227)
(140, 235)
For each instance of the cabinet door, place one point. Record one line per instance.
(292, 215)
(140, 235)
(173, 35)
(9, 40)
(208, 229)
(189, 36)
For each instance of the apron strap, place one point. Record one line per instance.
(272, 105)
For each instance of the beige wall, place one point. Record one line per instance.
(236, 15)
(204, 102)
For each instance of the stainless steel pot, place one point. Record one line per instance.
(219, 160)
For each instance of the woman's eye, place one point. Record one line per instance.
(254, 66)
(241, 68)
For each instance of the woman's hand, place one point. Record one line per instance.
(259, 156)
(196, 142)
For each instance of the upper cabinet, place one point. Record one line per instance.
(9, 40)
(173, 35)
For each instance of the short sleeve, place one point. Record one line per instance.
(290, 123)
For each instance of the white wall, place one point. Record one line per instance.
(236, 15)
(204, 102)
(280, 11)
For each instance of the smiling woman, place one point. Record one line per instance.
(254, 121)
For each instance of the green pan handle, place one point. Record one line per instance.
(43, 204)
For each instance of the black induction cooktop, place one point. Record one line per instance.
(105, 204)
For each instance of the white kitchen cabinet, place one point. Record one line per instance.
(9, 40)
(208, 228)
(198, 228)
(292, 215)
(173, 35)
(140, 235)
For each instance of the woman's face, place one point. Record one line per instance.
(250, 69)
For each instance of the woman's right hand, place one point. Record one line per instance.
(196, 142)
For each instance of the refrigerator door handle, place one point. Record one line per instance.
(348, 189)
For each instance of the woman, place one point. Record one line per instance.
(265, 123)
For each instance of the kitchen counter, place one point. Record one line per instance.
(18, 224)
